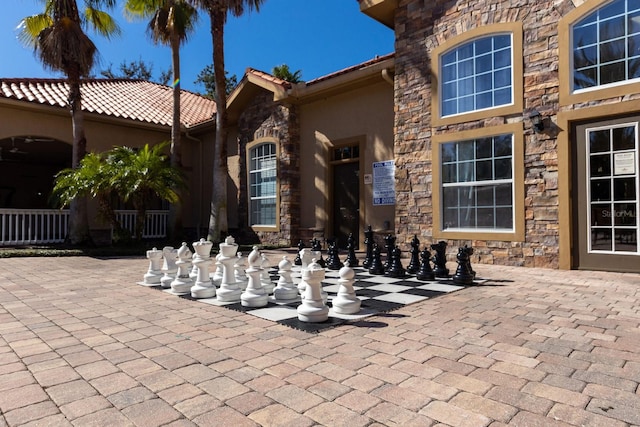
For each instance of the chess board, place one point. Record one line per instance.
(378, 294)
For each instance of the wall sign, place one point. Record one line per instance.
(384, 190)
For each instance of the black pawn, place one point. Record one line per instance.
(414, 263)
(376, 266)
(333, 260)
(425, 272)
(396, 269)
(368, 243)
(463, 276)
(298, 260)
(351, 252)
(389, 244)
(316, 247)
(440, 259)
(469, 251)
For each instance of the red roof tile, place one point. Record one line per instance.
(129, 99)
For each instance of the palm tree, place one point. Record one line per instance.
(132, 175)
(283, 72)
(170, 23)
(143, 174)
(218, 11)
(58, 37)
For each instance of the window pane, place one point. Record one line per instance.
(625, 214)
(472, 72)
(613, 51)
(624, 189)
(600, 165)
(600, 191)
(263, 184)
(474, 201)
(624, 138)
(599, 141)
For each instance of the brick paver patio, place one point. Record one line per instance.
(82, 345)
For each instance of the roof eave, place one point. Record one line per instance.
(383, 11)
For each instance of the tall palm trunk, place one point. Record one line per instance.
(218, 219)
(78, 216)
(175, 209)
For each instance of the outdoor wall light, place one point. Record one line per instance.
(536, 120)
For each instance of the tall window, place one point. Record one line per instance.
(477, 75)
(478, 184)
(262, 185)
(606, 45)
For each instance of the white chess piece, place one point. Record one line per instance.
(239, 273)
(286, 290)
(153, 274)
(216, 277)
(229, 291)
(313, 308)
(203, 287)
(182, 283)
(346, 302)
(265, 279)
(306, 257)
(254, 295)
(169, 267)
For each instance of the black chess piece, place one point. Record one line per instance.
(333, 259)
(298, 260)
(414, 262)
(440, 259)
(469, 251)
(396, 269)
(351, 252)
(389, 244)
(316, 248)
(376, 266)
(425, 272)
(463, 276)
(368, 243)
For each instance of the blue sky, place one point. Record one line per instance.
(318, 38)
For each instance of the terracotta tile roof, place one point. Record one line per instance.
(129, 99)
(268, 77)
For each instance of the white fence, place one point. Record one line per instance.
(32, 226)
(41, 226)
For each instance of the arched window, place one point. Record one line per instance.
(606, 45)
(476, 75)
(263, 184)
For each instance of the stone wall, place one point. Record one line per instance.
(265, 119)
(420, 27)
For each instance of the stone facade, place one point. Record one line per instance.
(420, 27)
(263, 118)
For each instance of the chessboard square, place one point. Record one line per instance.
(276, 314)
(401, 298)
(331, 288)
(380, 306)
(330, 281)
(381, 279)
(424, 292)
(389, 287)
(364, 312)
(440, 287)
(216, 302)
(368, 293)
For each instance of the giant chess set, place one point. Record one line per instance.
(309, 293)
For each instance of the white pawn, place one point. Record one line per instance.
(313, 308)
(153, 275)
(216, 277)
(265, 279)
(229, 291)
(306, 257)
(203, 287)
(346, 302)
(254, 295)
(182, 283)
(169, 267)
(286, 290)
(239, 273)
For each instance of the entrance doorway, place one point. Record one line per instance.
(606, 195)
(345, 195)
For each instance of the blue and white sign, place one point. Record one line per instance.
(384, 190)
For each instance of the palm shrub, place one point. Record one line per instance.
(132, 175)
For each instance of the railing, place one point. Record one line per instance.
(155, 225)
(41, 226)
(33, 226)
